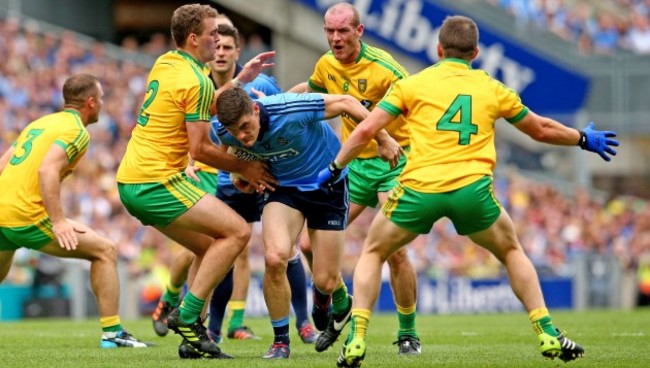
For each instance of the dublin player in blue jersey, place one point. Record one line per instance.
(288, 132)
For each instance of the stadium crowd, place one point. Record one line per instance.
(599, 27)
(555, 228)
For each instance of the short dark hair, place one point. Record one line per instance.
(232, 104)
(78, 88)
(188, 19)
(458, 37)
(226, 30)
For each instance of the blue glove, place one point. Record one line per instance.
(330, 176)
(598, 141)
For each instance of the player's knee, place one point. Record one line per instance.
(325, 282)
(275, 262)
(185, 257)
(399, 260)
(107, 251)
(243, 235)
(305, 246)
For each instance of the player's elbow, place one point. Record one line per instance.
(197, 152)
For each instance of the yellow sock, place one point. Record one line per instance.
(111, 324)
(541, 321)
(360, 320)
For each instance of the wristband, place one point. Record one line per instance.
(583, 140)
(235, 83)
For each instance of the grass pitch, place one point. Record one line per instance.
(611, 339)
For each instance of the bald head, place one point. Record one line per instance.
(344, 10)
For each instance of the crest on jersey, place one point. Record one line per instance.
(283, 141)
(362, 84)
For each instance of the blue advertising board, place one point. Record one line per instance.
(411, 26)
(448, 296)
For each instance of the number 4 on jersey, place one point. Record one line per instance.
(464, 127)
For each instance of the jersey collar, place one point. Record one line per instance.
(457, 61)
(190, 58)
(361, 52)
(264, 120)
(73, 112)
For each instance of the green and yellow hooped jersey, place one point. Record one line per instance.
(21, 200)
(179, 90)
(367, 80)
(451, 109)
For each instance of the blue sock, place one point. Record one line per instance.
(281, 330)
(218, 303)
(298, 284)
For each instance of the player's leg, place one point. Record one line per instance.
(328, 253)
(178, 272)
(216, 241)
(7, 250)
(281, 226)
(298, 285)
(305, 247)
(384, 238)
(404, 284)
(237, 303)
(492, 228)
(104, 281)
(218, 302)
(326, 214)
(6, 259)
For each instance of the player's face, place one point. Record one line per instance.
(227, 55)
(207, 41)
(96, 103)
(344, 38)
(247, 128)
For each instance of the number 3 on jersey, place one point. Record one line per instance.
(26, 146)
(462, 106)
(152, 89)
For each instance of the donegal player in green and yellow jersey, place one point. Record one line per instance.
(449, 174)
(31, 171)
(174, 121)
(355, 68)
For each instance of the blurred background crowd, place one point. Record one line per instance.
(596, 26)
(555, 224)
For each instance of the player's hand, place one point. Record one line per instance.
(254, 66)
(64, 233)
(258, 174)
(331, 175)
(258, 94)
(598, 141)
(389, 150)
(191, 171)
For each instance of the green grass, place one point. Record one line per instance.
(611, 339)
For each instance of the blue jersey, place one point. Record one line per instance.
(293, 138)
(262, 83)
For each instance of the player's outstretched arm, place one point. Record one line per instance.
(377, 120)
(300, 88)
(547, 130)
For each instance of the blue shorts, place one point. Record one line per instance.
(323, 210)
(247, 205)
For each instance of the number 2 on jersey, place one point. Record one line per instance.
(464, 127)
(26, 146)
(143, 119)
